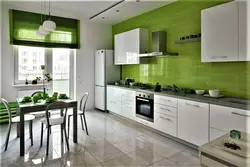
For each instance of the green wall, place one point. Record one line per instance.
(179, 19)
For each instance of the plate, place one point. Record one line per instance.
(207, 95)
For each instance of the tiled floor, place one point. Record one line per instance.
(112, 142)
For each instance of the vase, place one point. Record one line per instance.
(44, 93)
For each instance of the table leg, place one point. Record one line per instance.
(75, 124)
(22, 142)
(18, 125)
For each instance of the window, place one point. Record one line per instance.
(29, 62)
(58, 62)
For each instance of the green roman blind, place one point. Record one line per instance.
(23, 27)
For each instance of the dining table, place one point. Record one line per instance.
(25, 108)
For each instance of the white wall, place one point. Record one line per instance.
(1, 49)
(94, 36)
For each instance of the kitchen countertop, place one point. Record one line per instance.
(211, 150)
(223, 101)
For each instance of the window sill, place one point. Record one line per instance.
(29, 85)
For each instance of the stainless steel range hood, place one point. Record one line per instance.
(158, 46)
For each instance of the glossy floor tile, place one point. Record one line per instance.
(112, 141)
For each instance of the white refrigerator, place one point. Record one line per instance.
(105, 73)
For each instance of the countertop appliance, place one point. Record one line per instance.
(105, 73)
(145, 106)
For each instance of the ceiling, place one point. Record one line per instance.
(88, 8)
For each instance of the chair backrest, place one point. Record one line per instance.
(33, 94)
(58, 105)
(83, 102)
(6, 104)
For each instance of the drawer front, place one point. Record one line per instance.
(236, 118)
(128, 101)
(172, 111)
(128, 93)
(169, 101)
(210, 163)
(128, 111)
(215, 133)
(144, 122)
(166, 124)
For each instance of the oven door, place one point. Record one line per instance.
(145, 108)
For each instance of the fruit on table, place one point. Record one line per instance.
(233, 146)
(26, 99)
(50, 100)
(62, 96)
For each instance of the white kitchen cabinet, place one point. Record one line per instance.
(193, 121)
(167, 110)
(119, 49)
(165, 123)
(236, 119)
(223, 33)
(128, 107)
(215, 133)
(145, 122)
(128, 45)
(114, 100)
(164, 100)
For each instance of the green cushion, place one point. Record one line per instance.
(12, 105)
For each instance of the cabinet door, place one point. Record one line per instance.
(110, 98)
(236, 118)
(166, 124)
(114, 100)
(132, 47)
(119, 49)
(193, 125)
(220, 33)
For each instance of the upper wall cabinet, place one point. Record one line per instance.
(129, 45)
(224, 30)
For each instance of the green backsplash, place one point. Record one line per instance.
(179, 19)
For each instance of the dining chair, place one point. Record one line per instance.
(80, 112)
(16, 119)
(53, 121)
(40, 113)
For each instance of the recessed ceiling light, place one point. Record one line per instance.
(103, 17)
(117, 10)
(137, 1)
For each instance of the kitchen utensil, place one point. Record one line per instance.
(157, 87)
(199, 92)
(214, 93)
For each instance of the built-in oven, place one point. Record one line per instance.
(145, 106)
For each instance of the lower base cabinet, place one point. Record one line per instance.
(145, 122)
(193, 122)
(166, 124)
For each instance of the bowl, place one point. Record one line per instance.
(214, 93)
(132, 83)
(199, 92)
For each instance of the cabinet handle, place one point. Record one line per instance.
(165, 118)
(165, 109)
(142, 99)
(215, 57)
(165, 100)
(192, 105)
(129, 106)
(235, 113)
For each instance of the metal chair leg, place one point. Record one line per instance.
(68, 125)
(47, 150)
(7, 137)
(82, 122)
(62, 133)
(41, 142)
(66, 138)
(31, 131)
(85, 124)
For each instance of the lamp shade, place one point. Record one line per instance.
(49, 25)
(38, 33)
(42, 30)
